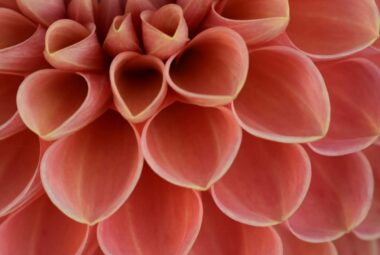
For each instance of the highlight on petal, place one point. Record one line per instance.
(284, 98)
(55, 103)
(260, 189)
(42, 11)
(41, 228)
(89, 174)
(351, 245)
(158, 218)
(223, 236)
(83, 11)
(255, 20)
(73, 47)
(355, 110)
(191, 146)
(194, 11)
(338, 199)
(138, 85)
(333, 28)
(211, 70)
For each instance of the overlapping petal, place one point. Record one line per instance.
(194, 12)
(351, 245)
(83, 11)
(42, 11)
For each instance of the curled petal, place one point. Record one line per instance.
(138, 85)
(191, 146)
(211, 70)
(194, 11)
(338, 200)
(284, 98)
(89, 174)
(351, 245)
(83, 11)
(106, 11)
(42, 11)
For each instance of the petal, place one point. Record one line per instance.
(262, 190)
(194, 11)
(106, 11)
(42, 11)
(83, 11)
(211, 70)
(138, 85)
(333, 28)
(54, 103)
(158, 218)
(351, 245)
(92, 245)
(108, 147)
(338, 200)
(41, 229)
(11, 4)
(351, 102)
(284, 98)
(191, 146)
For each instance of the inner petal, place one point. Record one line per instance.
(8, 91)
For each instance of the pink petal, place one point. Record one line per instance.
(284, 98)
(11, 4)
(138, 85)
(137, 6)
(83, 11)
(42, 11)
(253, 190)
(191, 146)
(54, 103)
(158, 218)
(355, 110)
(194, 11)
(351, 245)
(212, 69)
(41, 229)
(106, 11)
(108, 147)
(92, 245)
(338, 200)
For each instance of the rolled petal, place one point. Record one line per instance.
(158, 218)
(55, 103)
(194, 11)
(355, 110)
(41, 229)
(106, 11)
(253, 190)
(256, 21)
(108, 147)
(138, 85)
(284, 98)
(191, 146)
(351, 245)
(338, 200)
(42, 11)
(83, 11)
(73, 47)
(333, 28)
(212, 69)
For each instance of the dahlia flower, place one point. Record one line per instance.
(201, 127)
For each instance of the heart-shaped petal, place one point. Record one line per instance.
(42, 11)
(351, 245)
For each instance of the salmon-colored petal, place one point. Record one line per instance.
(83, 11)
(351, 245)
(106, 11)
(73, 47)
(265, 184)
(138, 85)
(191, 146)
(284, 98)
(92, 246)
(333, 28)
(11, 4)
(91, 173)
(338, 200)
(223, 236)
(41, 229)
(212, 69)
(55, 103)
(257, 21)
(42, 11)
(135, 7)
(158, 218)
(355, 110)
(194, 11)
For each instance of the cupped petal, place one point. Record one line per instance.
(265, 184)
(82, 11)
(42, 11)
(73, 47)
(284, 98)
(330, 29)
(158, 218)
(211, 70)
(355, 110)
(351, 245)
(338, 199)
(191, 146)
(194, 11)
(89, 174)
(138, 85)
(55, 103)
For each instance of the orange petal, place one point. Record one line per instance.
(158, 218)
(91, 173)
(351, 245)
(212, 69)
(138, 85)
(194, 11)
(83, 11)
(191, 146)
(42, 11)
(284, 98)
(55, 103)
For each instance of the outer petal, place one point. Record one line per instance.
(338, 200)
(212, 69)
(194, 11)
(55, 103)
(351, 245)
(260, 189)
(191, 146)
(284, 98)
(83, 11)
(158, 218)
(42, 11)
